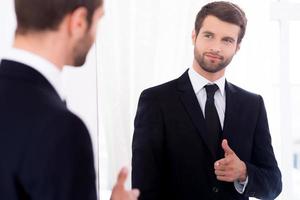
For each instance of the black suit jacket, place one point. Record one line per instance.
(171, 156)
(45, 150)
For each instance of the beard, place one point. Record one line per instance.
(211, 66)
(81, 49)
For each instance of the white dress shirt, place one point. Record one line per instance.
(43, 66)
(198, 83)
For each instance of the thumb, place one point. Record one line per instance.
(226, 147)
(122, 176)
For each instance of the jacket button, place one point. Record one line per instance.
(215, 189)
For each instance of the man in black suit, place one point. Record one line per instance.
(199, 136)
(45, 150)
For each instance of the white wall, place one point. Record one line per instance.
(7, 25)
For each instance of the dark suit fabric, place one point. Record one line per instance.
(171, 158)
(45, 150)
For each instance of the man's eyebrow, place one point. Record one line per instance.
(207, 32)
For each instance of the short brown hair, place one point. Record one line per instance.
(225, 11)
(40, 15)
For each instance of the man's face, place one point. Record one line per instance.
(84, 44)
(216, 44)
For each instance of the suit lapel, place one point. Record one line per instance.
(231, 113)
(191, 104)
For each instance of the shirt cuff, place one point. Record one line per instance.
(241, 186)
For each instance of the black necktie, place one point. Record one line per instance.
(212, 119)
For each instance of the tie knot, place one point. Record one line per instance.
(210, 90)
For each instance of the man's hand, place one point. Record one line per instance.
(230, 168)
(119, 192)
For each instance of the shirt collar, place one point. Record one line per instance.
(198, 82)
(40, 64)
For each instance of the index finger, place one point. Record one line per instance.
(221, 162)
(122, 176)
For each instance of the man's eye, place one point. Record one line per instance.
(229, 41)
(208, 36)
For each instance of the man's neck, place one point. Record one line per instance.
(42, 45)
(208, 75)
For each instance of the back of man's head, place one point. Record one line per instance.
(43, 15)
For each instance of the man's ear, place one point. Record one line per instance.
(194, 37)
(78, 23)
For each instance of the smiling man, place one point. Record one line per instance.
(200, 136)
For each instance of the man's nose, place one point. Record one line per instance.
(215, 47)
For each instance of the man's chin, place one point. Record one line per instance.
(79, 62)
(212, 69)
(78, 65)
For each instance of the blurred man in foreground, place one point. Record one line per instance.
(45, 150)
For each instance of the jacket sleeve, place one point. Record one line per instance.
(147, 148)
(263, 172)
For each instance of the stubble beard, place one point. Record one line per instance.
(211, 66)
(81, 50)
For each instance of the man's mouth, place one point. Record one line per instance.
(213, 56)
